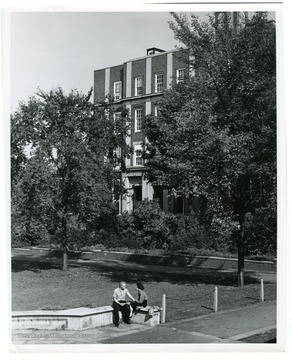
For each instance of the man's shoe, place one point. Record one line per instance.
(117, 325)
(127, 322)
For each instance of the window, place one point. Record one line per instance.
(117, 118)
(180, 75)
(138, 120)
(138, 86)
(117, 153)
(117, 90)
(138, 160)
(155, 110)
(158, 82)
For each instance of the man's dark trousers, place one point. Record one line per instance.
(125, 309)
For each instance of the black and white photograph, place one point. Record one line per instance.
(144, 178)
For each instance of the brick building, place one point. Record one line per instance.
(137, 85)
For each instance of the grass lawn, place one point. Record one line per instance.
(39, 284)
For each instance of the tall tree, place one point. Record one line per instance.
(215, 135)
(63, 189)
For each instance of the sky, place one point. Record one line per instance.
(52, 49)
(62, 49)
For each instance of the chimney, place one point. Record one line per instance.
(154, 50)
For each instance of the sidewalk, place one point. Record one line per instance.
(256, 323)
(226, 327)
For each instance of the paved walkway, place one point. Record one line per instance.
(255, 323)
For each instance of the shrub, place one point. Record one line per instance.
(189, 233)
(261, 237)
(149, 228)
(148, 224)
(221, 232)
(28, 234)
(152, 228)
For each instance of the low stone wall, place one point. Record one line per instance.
(202, 262)
(79, 318)
(71, 319)
(148, 316)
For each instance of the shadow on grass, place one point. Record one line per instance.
(25, 263)
(115, 272)
(207, 276)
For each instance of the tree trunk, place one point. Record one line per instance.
(65, 259)
(240, 269)
(240, 276)
(64, 245)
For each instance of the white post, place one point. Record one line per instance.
(216, 299)
(163, 309)
(262, 291)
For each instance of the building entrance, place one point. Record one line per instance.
(137, 195)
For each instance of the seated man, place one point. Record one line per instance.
(119, 304)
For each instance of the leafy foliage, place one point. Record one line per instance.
(62, 168)
(215, 134)
(148, 227)
(148, 224)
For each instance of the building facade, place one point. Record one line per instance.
(137, 85)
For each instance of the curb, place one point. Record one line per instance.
(253, 333)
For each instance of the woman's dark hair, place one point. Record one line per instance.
(140, 286)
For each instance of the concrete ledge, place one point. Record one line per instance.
(79, 318)
(147, 316)
(71, 319)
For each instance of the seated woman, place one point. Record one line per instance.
(142, 297)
